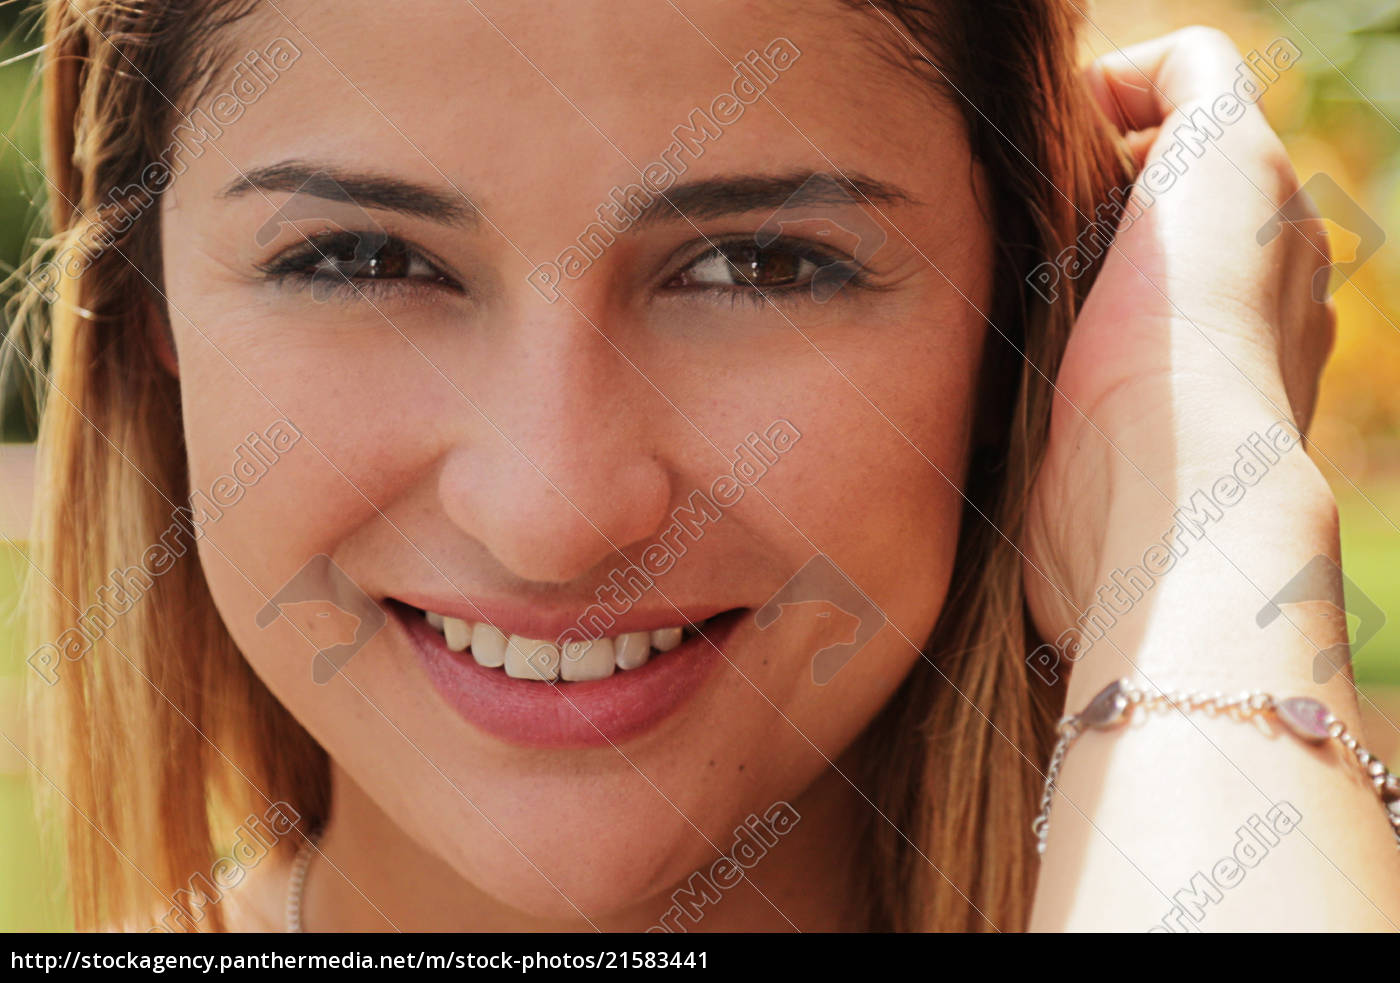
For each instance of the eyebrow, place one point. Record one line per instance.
(367, 190)
(737, 195)
(696, 200)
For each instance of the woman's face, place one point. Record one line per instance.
(499, 422)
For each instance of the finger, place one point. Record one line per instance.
(1123, 108)
(1139, 144)
(1138, 87)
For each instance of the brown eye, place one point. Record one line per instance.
(748, 265)
(356, 264)
(356, 258)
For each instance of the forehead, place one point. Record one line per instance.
(511, 94)
(585, 73)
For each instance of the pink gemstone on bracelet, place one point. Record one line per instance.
(1108, 708)
(1306, 718)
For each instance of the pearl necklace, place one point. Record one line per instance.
(296, 885)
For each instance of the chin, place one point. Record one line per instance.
(585, 861)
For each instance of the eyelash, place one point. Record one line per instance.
(298, 267)
(854, 276)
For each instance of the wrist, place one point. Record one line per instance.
(1229, 488)
(1187, 591)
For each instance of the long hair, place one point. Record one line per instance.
(157, 731)
(955, 760)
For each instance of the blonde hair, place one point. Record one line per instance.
(161, 737)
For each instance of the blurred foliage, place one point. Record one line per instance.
(20, 181)
(31, 886)
(1344, 119)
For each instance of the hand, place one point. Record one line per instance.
(1193, 336)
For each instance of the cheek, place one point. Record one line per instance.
(875, 493)
(866, 513)
(283, 464)
(876, 482)
(360, 404)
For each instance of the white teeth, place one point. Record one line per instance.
(584, 661)
(458, 633)
(633, 649)
(530, 658)
(580, 661)
(488, 646)
(665, 639)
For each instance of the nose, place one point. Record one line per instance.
(559, 468)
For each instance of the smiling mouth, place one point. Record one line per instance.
(575, 661)
(613, 688)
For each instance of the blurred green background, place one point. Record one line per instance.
(1338, 111)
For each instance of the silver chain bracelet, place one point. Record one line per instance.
(1306, 718)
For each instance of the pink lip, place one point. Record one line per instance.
(568, 715)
